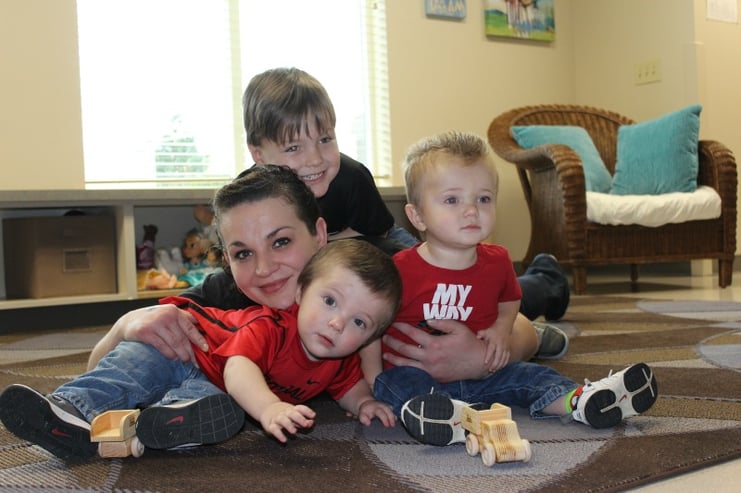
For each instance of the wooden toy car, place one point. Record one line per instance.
(493, 433)
(116, 433)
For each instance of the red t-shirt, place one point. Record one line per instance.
(270, 339)
(469, 295)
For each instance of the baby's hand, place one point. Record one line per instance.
(282, 416)
(497, 349)
(375, 409)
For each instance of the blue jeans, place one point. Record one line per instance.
(397, 233)
(526, 385)
(135, 375)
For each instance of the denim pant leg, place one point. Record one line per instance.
(397, 385)
(403, 236)
(545, 289)
(132, 375)
(525, 385)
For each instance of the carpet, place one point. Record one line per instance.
(693, 347)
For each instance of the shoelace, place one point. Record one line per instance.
(588, 383)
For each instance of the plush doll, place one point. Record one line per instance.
(196, 261)
(145, 251)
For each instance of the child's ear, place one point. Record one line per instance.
(256, 154)
(298, 295)
(415, 217)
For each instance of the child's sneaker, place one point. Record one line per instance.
(203, 421)
(51, 423)
(553, 343)
(434, 419)
(607, 402)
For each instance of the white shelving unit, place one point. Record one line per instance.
(130, 209)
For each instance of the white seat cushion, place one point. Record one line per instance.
(653, 210)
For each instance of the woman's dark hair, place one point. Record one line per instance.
(269, 181)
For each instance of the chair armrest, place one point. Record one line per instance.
(718, 170)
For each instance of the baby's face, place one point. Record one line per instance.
(314, 156)
(338, 314)
(457, 203)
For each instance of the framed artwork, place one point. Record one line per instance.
(522, 19)
(450, 9)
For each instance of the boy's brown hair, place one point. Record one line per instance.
(278, 103)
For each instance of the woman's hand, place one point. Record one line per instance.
(455, 355)
(165, 327)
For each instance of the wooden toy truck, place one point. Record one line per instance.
(493, 433)
(116, 433)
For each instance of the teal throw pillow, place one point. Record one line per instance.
(596, 176)
(658, 156)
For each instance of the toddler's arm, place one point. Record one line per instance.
(371, 362)
(497, 336)
(359, 402)
(246, 383)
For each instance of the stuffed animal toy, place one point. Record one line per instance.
(145, 251)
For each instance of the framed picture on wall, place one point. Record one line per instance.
(522, 19)
(450, 9)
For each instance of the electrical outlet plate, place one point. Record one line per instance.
(647, 72)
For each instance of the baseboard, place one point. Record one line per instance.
(67, 316)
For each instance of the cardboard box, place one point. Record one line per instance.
(59, 256)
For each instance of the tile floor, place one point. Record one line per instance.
(723, 478)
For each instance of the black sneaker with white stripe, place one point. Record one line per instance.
(434, 419)
(204, 421)
(47, 421)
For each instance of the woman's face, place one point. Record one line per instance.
(267, 246)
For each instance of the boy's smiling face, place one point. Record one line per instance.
(314, 156)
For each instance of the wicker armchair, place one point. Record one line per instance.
(553, 182)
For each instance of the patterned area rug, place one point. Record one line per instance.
(694, 348)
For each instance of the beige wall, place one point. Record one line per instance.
(443, 75)
(40, 120)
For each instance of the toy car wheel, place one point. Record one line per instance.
(488, 455)
(472, 445)
(137, 447)
(528, 450)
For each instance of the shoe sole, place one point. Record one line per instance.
(206, 421)
(606, 408)
(434, 419)
(29, 416)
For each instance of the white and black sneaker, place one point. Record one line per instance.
(434, 419)
(204, 421)
(605, 403)
(47, 421)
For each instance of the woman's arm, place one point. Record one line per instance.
(245, 382)
(169, 329)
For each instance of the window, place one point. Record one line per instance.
(162, 80)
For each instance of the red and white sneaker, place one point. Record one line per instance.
(606, 402)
